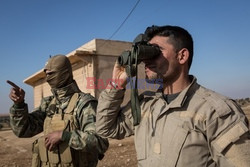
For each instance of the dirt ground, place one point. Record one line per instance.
(16, 152)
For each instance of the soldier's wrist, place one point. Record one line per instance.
(66, 136)
(19, 105)
(116, 85)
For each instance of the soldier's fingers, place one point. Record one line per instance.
(46, 139)
(14, 91)
(13, 96)
(47, 143)
(50, 147)
(13, 84)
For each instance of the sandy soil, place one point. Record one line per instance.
(16, 152)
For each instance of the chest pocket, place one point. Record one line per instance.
(174, 135)
(165, 147)
(61, 121)
(175, 148)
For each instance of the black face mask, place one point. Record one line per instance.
(60, 71)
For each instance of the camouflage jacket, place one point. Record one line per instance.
(25, 124)
(198, 128)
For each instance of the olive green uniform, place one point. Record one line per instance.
(199, 128)
(78, 123)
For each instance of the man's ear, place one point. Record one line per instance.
(183, 56)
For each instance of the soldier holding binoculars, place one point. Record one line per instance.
(183, 124)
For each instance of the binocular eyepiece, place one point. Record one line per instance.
(141, 50)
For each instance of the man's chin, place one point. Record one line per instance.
(154, 80)
(151, 80)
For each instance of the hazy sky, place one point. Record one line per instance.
(31, 30)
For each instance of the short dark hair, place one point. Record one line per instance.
(178, 37)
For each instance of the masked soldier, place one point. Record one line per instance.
(67, 119)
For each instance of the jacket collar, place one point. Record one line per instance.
(183, 96)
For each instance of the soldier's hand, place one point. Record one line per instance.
(17, 94)
(119, 75)
(53, 139)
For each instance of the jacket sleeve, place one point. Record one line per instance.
(25, 124)
(86, 138)
(112, 120)
(229, 136)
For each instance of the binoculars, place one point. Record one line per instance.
(141, 50)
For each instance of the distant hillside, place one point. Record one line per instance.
(243, 102)
(245, 105)
(4, 122)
